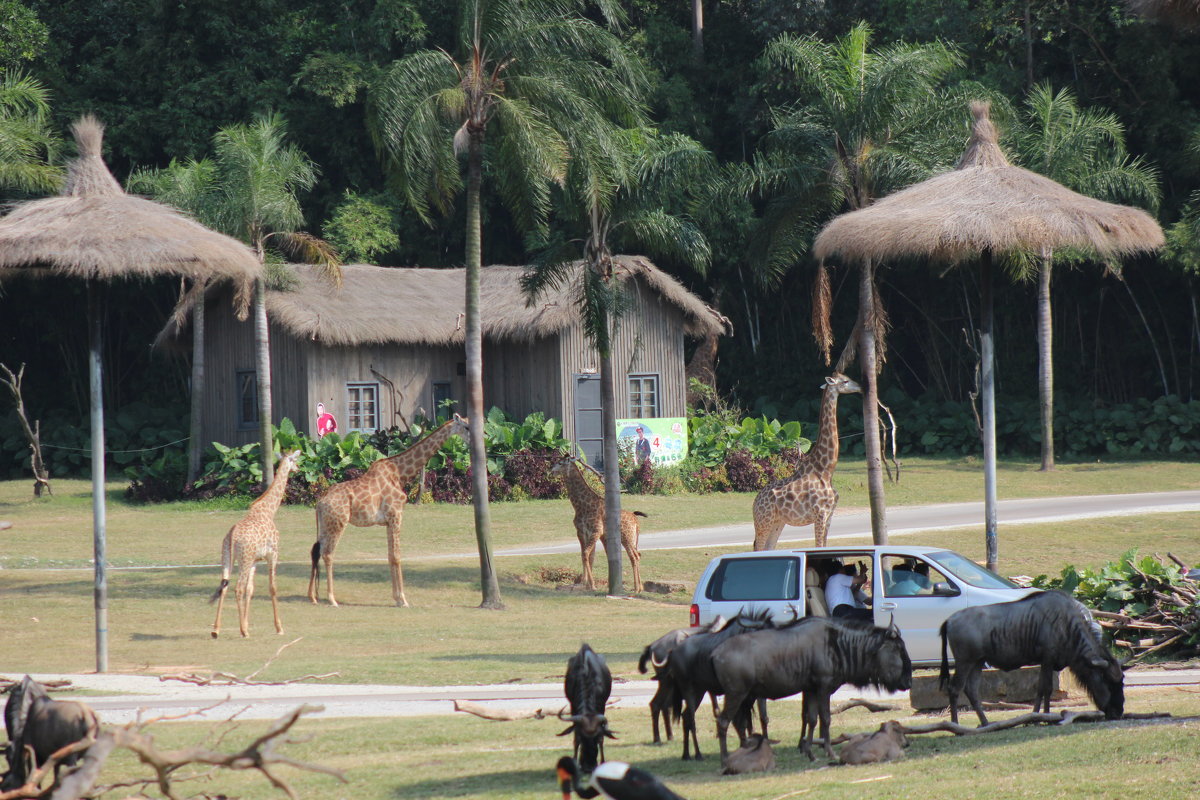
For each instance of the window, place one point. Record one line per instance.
(756, 579)
(362, 407)
(247, 399)
(443, 391)
(643, 396)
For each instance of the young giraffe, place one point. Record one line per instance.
(589, 522)
(808, 496)
(375, 498)
(254, 538)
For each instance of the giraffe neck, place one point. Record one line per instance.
(823, 456)
(579, 484)
(269, 500)
(408, 463)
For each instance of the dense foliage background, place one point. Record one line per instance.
(165, 75)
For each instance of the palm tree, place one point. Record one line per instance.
(27, 144)
(877, 120)
(615, 194)
(521, 72)
(1084, 150)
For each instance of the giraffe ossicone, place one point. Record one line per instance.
(808, 496)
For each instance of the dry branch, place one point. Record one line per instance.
(478, 710)
(1061, 718)
(6, 685)
(226, 679)
(33, 434)
(869, 705)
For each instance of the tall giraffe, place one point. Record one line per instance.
(808, 496)
(589, 522)
(375, 498)
(254, 538)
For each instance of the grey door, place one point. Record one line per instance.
(589, 420)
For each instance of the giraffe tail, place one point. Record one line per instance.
(316, 560)
(226, 565)
(640, 514)
(217, 593)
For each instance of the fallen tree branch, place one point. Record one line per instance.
(478, 710)
(1062, 718)
(226, 679)
(6, 685)
(869, 705)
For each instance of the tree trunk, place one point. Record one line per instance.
(612, 474)
(988, 388)
(1046, 362)
(698, 31)
(1162, 370)
(866, 358)
(262, 372)
(195, 446)
(474, 334)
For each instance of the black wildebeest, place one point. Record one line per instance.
(689, 668)
(39, 727)
(656, 655)
(587, 685)
(1049, 629)
(814, 655)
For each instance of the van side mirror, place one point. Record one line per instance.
(944, 589)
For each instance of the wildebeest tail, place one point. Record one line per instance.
(944, 677)
(645, 659)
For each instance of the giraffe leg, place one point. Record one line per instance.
(226, 563)
(587, 554)
(272, 562)
(331, 523)
(766, 533)
(635, 557)
(327, 557)
(393, 533)
(245, 591)
(821, 529)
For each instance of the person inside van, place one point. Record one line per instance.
(845, 597)
(910, 579)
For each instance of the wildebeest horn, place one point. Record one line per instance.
(659, 664)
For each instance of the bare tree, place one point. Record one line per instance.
(41, 478)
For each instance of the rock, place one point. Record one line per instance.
(664, 587)
(1017, 686)
(5, 525)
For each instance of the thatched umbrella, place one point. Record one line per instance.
(984, 207)
(95, 232)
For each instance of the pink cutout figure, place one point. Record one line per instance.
(325, 421)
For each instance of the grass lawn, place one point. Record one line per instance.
(467, 757)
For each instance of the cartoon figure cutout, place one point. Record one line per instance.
(325, 421)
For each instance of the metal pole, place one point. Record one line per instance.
(95, 322)
(988, 380)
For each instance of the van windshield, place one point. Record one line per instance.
(756, 579)
(967, 570)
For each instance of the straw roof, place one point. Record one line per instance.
(94, 230)
(425, 306)
(985, 204)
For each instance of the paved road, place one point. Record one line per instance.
(905, 520)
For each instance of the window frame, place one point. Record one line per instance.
(637, 410)
(243, 378)
(353, 416)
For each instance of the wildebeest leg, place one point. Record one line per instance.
(825, 722)
(1043, 695)
(810, 710)
(733, 708)
(762, 714)
(971, 687)
(689, 727)
(954, 686)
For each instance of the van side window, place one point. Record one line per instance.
(748, 579)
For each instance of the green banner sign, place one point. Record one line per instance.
(662, 440)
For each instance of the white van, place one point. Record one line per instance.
(915, 587)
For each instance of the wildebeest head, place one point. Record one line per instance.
(892, 661)
(873, 656)
(1104, 680)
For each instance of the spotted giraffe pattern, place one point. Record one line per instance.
(254, 538)
(374, 498)
(589, 522)
(808, 496)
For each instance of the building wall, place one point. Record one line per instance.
(522, 378)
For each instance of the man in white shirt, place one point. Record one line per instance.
(844, 595)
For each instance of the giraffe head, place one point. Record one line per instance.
(458, 425)
(839, 383)
(560, 467)
(288, 460)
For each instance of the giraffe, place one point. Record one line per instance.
(254, 538)
(375, 498)
(589, 522)
(808, 496)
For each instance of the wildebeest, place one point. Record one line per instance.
(38, 727)
(689, 668)
(814, 655)
(588, 684)
(755, 755)
(1049, 629)
(885, 744)
(656, 654)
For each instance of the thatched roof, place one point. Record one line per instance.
(425, 306)
(985, 204)
(94, 230)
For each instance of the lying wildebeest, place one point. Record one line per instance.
(689, 668)
(814, 655)
(1049, 629)
(38, 727)
(656, 654)
(885, 744)
(588, 684)
(755, 755)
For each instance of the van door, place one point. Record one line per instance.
(774, 582)
(918, 597)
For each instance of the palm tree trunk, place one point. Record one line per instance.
(195, 447)
(99, 509)
(698, 31)
(1046, 363)
(474, 335)
(866, 356)
(612, 474)
(988, 389)
(262, 366)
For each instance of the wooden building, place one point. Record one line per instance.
(389, 344)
